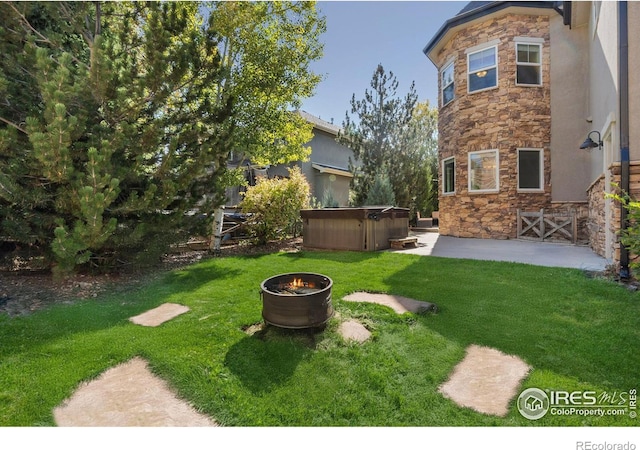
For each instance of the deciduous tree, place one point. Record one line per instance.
(266, 49)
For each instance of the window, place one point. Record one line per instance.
(447, 84)
(483, 171)
(449, 176)
(530, 169)
(529, 64)
(483, 69)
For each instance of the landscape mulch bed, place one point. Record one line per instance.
(27, 290)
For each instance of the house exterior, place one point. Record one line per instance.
(327, 169)
(521, 85)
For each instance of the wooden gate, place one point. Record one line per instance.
(539, 225)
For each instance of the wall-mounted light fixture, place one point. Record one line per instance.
(590, 143)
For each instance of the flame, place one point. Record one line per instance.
(299, 282)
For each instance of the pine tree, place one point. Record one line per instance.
(375, 134)
(328, 200)
(381, 192)
(395, 135)
(415, 173)
(112, 132)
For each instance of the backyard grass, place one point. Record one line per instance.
(577, 333)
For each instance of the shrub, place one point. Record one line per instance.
(328, 200)
(630, 236)
(381, 193)
(274, 205)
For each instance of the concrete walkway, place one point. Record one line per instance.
(527, 252)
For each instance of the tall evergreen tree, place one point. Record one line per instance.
(415, 175)
(111, 130)
(375, 132)
(381, 192)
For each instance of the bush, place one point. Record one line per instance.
(630, 236)
(328, 200)
(274, 205)
(381, 192)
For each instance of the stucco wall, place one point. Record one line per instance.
(571, 169)
(326, 151)
(603, 69)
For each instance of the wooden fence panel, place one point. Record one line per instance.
(550, 226)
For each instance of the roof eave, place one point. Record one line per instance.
(478, 13)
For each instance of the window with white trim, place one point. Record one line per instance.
(484, 171)
(529, 64)
(447, 83)
(449, 176)
(482, 69)
(530, 169)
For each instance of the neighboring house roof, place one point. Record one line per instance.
(476, 10)
(333, 170)
(320, 124)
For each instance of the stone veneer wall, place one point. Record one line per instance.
(597, 223)
(506, 118)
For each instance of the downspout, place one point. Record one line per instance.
(623, 80)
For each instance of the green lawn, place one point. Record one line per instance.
(577, 333)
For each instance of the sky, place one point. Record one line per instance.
(362, 34)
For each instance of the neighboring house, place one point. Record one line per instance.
(327, 169)
(521, 85)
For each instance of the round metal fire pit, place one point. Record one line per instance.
(297, 300)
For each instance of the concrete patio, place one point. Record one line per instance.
(520, 251)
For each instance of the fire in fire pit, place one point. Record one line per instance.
(297, 300)
(296, 287)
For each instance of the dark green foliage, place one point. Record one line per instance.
(375, 134)
(117, 119)
(396, 133)
(381, 193)
(111, 132)
(415, 174)
(328, 200)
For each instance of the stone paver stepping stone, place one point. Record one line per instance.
(158, 316)
(485, 380)
(396, 302)
(352, 330)
(128, 395)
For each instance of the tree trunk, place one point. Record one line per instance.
(218, 221)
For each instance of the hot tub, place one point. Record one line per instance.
(359, 229)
